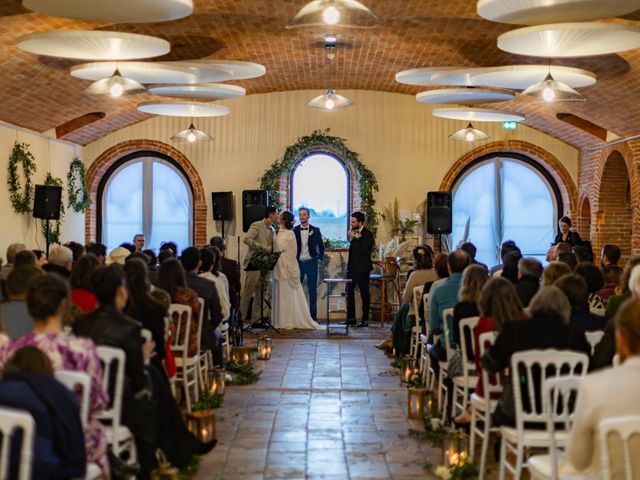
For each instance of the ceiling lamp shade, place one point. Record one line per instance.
(212, 91)
(93, 45)
(551, 90)
(116, 85)
(520, 77)
(463, 95)
(114, 11)
(184, 109)
(238, 70)
(564, 40)
(540, 12)
(469, 134)
(191, 135)
(334, 13)
(330, 101)
(152, 72)
(477, 115)
(421, 76)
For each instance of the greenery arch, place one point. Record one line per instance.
(320, 140)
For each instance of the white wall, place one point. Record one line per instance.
(406, 147)
(50, 155)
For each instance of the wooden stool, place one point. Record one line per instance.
(390, 276)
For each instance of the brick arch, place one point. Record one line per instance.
(583, 224)
(106, 159)
(560, 174)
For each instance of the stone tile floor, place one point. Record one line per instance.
(330, 409)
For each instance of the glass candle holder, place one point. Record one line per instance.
(416, 402)
(241, 355)
(456, 449)
(264, 347)
(218, 381)
(202, 424)
(408, 365)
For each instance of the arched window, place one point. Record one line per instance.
(320, 182)
(146, 193)
(505, 197)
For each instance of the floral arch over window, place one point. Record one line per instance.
(362, 183)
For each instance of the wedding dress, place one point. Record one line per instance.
(290, 308)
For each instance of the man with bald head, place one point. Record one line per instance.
(446, 296)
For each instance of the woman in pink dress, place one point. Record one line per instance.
(47, 301)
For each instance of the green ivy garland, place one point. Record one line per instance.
(270, 180)
(54, 228)
(21, 198)
(79, 199)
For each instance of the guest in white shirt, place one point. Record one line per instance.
(209, 269)
(606, 394)
(310, 252)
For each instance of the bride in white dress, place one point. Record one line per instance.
(290, 308)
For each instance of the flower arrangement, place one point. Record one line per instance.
(242, 374)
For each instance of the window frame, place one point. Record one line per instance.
(536, 168)
(125, 161)
(342, 163)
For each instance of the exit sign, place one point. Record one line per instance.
(510, 125)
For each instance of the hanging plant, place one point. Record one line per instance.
(54, 227)
(319, 139)
(77, 189)
(21, 197)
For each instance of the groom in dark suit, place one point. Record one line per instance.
(359, 268)
(310, 252)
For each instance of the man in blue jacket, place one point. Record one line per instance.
(310, 252)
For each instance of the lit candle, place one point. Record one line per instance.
(246, 358)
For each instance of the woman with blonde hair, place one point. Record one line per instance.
(473, 279)
(553, 272)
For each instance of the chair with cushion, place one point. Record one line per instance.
(526, 368)
(12, 420)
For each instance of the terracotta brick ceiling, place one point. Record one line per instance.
(38, 93)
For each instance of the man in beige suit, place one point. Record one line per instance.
(260, 234)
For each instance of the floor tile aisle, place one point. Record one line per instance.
(322, 409)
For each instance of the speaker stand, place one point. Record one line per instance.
(222, 228)
(48, 236)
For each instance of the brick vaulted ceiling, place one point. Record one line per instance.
(39, 94)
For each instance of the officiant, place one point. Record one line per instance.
(260, 234)
(310, 252)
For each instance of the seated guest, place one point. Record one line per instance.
(473, 279)
(25, 258)
(118, 256)
(141, 306)
(582, 253)
(558, 249)
(231, 270)
(47, 299)
(577, 292)
(569, 259)
(510, 266)
(170, 247)
(209, 269)
(152, 265)
(441, 269)
(164, 256)
(610, 255)
(128, 246)
(548, 327)
(99, 250)
(471, 250)
(206, 289)
(172, 279)
(506, 247)
(58, 446)
(77, 249)
(629, 285)
(60, 262)
(444, 297)
(553, 272)
(404, 320)
(82, 295)
(566, 234)
(12, 250)
(14, 314)
(595, 281)
(529, 273)
(41, 258)
(612, 274)
(609, 394)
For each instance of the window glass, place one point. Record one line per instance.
(320, 183)
(123, 206)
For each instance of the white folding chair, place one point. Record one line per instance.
(447, 315)
(416, 330)
(594, 338)
(625, 428)
(186, 366)
(12, 419)
(203, 355)
(119, 436)
(226, 342)
(529, 405)
(482, 407)
(559, 396)
(80, 384)
(463, 384)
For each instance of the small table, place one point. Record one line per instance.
(329, 282)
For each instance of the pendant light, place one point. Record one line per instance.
(469, 134)
(191, 135)
(334, 13)
(116, 85)
(551, 90)
(330, 100)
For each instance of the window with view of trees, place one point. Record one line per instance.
(320, 182)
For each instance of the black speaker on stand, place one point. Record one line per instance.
(222, 206)
(254, 203)
(46, 206)
(439, 214)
